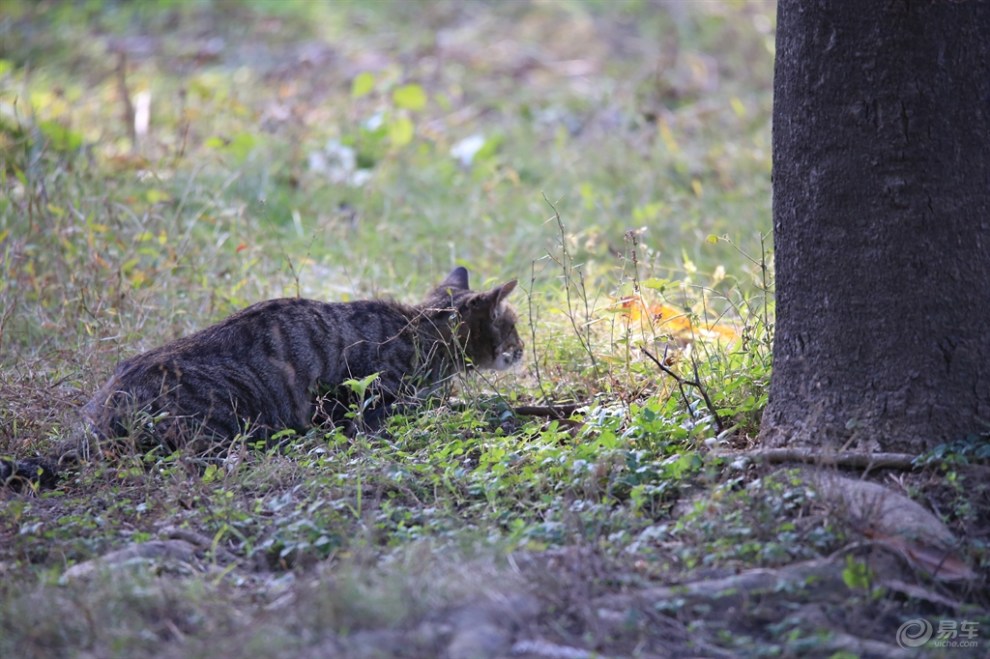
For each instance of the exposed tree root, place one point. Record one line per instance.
(742, 592)
(850, 459)
(731, 591)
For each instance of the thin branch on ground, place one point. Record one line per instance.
(532, 331)
(553, 410)
(566, 263)
(682, 382)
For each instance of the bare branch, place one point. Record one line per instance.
(682, 382)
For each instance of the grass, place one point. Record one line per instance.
(614, 157)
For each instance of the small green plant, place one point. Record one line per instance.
(857, 574)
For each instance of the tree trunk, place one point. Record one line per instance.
(881, 164)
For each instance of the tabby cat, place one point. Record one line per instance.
(284, 364)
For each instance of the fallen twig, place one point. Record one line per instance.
(548, 650)
(559, 411)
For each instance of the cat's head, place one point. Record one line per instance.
(486, 324)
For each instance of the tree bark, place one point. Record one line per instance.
(881, 165)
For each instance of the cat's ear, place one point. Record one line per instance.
(457, 280)
(493, 299)
(502, 292)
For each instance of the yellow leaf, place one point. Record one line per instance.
(400, 131)
(410, 97)
(738, 107)
(362, 85)
(154, 196)
(125, 161)
(668, 137)
(670, 320)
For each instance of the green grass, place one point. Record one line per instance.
(306, 148)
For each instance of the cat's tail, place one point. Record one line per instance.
(42, 471)
(29, 473)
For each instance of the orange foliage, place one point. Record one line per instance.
(668, 320)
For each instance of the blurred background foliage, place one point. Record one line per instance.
(176, 160)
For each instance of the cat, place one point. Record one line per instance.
(285, 364)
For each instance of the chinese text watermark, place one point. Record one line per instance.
(947, 634)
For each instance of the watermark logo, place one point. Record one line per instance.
(949, 634)
(914, 633)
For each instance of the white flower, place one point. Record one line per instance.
(465, 150)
